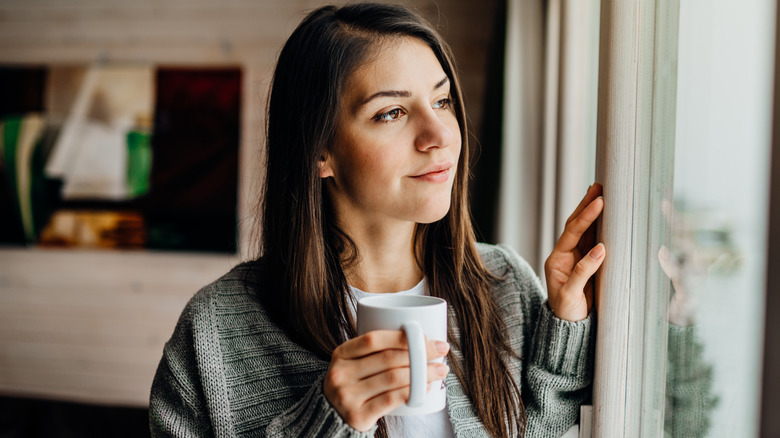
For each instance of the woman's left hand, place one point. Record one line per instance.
(574, 260)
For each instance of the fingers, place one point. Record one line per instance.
(668, 264)
(361, 402)
(396, 378)
(671, 268)
(382, 360)
(380, 340)
(382, 403)
(568, 277)
(585, 268)
(573, 300)
(371, 342)
(577, 225)
(373, 364)
(593, 192)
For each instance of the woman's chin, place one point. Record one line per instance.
(432, 213)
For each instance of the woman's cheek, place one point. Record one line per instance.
(378, 166)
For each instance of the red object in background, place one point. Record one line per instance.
(194, 189)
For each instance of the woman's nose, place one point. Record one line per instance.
(433, 131)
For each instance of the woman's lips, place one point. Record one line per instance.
(438, 176)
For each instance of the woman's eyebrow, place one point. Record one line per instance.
(441, 83)
(400, 93)
(387, 93)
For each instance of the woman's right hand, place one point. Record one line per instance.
(369, 376)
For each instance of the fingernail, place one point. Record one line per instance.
(597, 251)
(442, 370)
(442, 347)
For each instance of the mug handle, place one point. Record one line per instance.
(417, 362)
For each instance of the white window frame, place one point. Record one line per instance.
(635, 163)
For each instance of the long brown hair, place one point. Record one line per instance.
(303, 249)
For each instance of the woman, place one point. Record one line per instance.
(366, 192)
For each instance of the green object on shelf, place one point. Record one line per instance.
(139, 158)
(12, 221)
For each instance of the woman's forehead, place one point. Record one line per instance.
(405, 65)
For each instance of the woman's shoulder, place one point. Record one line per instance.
(235, 292)
(503, 261)
(236, 281)
(229, 314)
(516, 280)
(196, 337)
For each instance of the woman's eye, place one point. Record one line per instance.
(389, 116)
(442, 103)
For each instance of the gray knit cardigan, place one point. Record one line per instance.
(229, 371)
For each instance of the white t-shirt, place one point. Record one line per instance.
(434, 425)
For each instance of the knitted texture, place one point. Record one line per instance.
(689, 397)
(229, 371)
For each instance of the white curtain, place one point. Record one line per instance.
(549, 120)
(519, 190)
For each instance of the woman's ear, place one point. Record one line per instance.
(326, 168)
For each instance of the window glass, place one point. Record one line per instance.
(716, 257)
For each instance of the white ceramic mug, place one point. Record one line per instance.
(418, 317)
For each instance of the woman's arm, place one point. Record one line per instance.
(177, 405)
(174, 409)
(256, 382)
(558, 355)
(559, 375)
(178, 409)
(313, 415)
(555, 355)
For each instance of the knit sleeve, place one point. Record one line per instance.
(177, 405)
(689, 398)
(313, 416)
(172, 411)
(556, 355)
(559, 373)
(228, 371)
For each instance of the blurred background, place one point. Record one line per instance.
(130, 164)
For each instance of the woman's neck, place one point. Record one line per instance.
(386, 260)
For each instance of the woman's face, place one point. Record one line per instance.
(396, 150)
